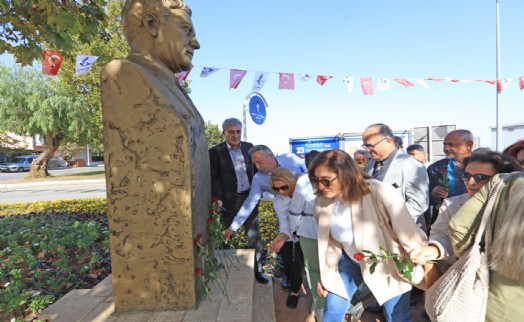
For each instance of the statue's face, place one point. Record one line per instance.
(176, 41)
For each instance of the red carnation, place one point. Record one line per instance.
(200, 236)
(209, 221)
(211, 212)
(359, 256)
(215, 199)
(199, 271)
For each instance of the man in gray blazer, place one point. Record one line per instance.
(392, 165)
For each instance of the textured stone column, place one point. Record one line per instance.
(158, 186)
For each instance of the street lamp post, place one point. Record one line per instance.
(499, 82)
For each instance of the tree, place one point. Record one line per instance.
(213, 134)
(29, 27)
(31, 103)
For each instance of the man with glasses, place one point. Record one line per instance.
(445, 176)
(392, 165)
(265, 161)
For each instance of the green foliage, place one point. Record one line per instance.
(39, 302)
(95, 205)
(29, 27)
(213, 134)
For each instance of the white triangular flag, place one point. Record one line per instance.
(305, 77)
(348, 81)
(259, 81)
(206, 71)
(506, 81)
(383, 84)
(422, 83)
(84, 63)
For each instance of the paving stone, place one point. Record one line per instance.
(101, 313)
(167, 316)
(61, 306)
(208, 310)
(104, 288)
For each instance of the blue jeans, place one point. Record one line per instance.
(396, 309)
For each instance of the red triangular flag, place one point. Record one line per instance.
(521, 82)
(287, 81)
(436, 79)
(499, 85)
(235, 77)
(404, 82)
(52, 61)
(182, 76)
(323, 79)
(367, 86)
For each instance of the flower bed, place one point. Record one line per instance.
(48, 248)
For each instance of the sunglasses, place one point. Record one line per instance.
(324, 181)
(281, 188)
(479, 177)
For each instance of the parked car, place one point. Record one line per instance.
(18, 164)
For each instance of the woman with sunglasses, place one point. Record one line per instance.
(357, 213)
(282, 183)
(479, 168)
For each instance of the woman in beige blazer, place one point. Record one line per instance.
(357, 213)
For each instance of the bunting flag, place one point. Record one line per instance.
(259, 81)
(491, 82)
(206, 71)
(182, 76)
(84, 63)
(235, 77)
(521, 82)
(404, 82)
(287, 81)
(459, 81)
(506, 81)
(305, 77)
(422, 83)
(383, 84)
(367, 85)
(323, 79)
(52, 61)
(348, 81)
(437, 79)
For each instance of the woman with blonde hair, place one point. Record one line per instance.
(357, 213)
(282, 183)
(506, 253)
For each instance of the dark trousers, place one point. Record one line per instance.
(251, 226)
(293, 261)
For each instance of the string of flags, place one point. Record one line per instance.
(53, 60)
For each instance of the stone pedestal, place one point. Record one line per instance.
(158, 187)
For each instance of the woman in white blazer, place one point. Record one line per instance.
(357, 213)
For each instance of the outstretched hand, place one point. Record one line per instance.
(226, 234)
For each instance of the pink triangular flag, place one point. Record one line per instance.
(404, 82)
(323, 79)
(521, 82)
(235, 77)
(367, 85)
(182, 76)
(287, 81)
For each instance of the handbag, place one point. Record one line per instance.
(461, 293)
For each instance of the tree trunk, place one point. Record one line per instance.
(39, 166)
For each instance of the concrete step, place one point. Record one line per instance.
(96, 305)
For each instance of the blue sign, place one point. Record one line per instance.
(257, 109)
(303, 146)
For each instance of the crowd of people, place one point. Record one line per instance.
(337, 213)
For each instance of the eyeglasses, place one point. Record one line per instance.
(281, 188)
(479, 177)
(324, 181)
(372, 146)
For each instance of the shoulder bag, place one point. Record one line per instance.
(461, 293)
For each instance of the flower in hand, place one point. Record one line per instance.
(404, 264)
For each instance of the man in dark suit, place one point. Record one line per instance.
(232, 172)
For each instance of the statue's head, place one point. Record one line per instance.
(163, 29)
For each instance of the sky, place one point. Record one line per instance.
(409, 39)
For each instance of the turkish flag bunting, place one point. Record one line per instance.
(52, 61)
(499, 85)
(182, 76)
(437, 79)
(521, 82)
(235, 77)
(287, 81)
(323, 79)
(491, 82)
(367, 86)
(404, 82)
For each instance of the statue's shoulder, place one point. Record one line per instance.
(121, 68)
